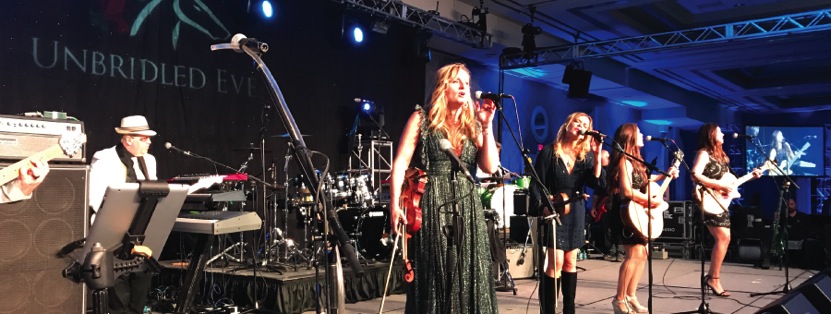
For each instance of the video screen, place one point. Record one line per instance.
(797, 150)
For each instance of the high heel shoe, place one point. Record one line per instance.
(722, 294)
(617, 304)
(634, 305)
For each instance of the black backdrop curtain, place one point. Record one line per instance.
(100, 60)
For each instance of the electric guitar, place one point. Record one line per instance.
(205, 182)
(68, 145)
(639, 216)
(716, 202)
(786, 164)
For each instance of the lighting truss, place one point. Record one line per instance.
(397, 10)
(753, 29)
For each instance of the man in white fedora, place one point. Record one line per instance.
(124, 163)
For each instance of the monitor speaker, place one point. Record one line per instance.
(31, 232)
(812, 296)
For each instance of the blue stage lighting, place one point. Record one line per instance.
(367, 106)
(268, 9)
(357, 34)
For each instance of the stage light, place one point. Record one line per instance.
(357, 34)
(367, 106)
(267, 9)
(529, 34)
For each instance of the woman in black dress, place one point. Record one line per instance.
(566, 166)
(627, 183)
(711, 163)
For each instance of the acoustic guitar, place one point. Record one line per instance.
(639, 216)
(716, 202)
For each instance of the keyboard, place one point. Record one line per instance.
(218, 222)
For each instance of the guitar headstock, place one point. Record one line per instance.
(678, 156)
(71, 143)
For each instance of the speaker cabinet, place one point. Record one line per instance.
(31, 232)
(521, 266)
(579, 83)
(678, 221)
(812, 296)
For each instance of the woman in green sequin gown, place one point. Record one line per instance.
(439, 285)
(711, 163)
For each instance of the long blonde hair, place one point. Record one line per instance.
(438, 110)
(582, 145)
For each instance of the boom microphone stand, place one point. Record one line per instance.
(254, 49)
(783, 192)
(543, 195)
(703, 307)
(650, 168)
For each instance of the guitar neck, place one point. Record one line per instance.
(11, 172)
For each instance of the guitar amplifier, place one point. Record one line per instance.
(21, 137)
(678, 221)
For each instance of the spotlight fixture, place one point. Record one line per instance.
(267, 9)
(380, 27)
(352, 31)
(529, 33)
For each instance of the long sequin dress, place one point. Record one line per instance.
(439, 286)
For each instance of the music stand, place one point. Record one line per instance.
(117, 214)
(133, 213)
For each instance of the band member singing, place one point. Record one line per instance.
(566, 166)
(711, 163)
(446, 282)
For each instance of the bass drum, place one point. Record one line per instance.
(502, 201)
(374, 239)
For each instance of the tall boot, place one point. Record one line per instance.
(569, 290)
(550, 295)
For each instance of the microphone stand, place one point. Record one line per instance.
(303, 157)
(545, 196)
(783, 225)
(454, 233)
(650, 168)
(703, 307)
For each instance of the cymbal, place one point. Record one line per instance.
(249, 148)
(357, 171)
(286, 135)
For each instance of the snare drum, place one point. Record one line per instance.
(503, 198)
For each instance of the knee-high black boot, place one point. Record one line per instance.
(569, 290)
(550, 295)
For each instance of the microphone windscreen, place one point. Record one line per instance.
(478, 95)
(735, 135)
(445, 144)
(167, 145)
(649, 137)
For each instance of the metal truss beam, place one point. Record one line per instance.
(760, 28)
(397, 10)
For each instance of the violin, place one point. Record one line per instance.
(411, 191)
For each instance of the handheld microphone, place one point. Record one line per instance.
(595, 134)
(170, 146)
(447, 148)
(240, 40)
(494, 97)
(660, 139)
(747, 136)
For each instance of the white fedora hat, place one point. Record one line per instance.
(135, 125)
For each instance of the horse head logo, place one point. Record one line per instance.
(193, 13)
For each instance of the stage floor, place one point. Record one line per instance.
(675, 289)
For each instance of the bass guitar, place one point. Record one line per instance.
(716, 202)
(639, 216)
(68, 145)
